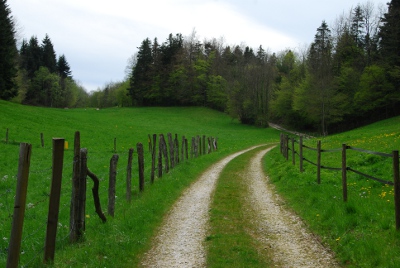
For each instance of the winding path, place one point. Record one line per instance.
(179, 242)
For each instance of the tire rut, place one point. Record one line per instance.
(180, 239)
(179, 242)
(281, 231)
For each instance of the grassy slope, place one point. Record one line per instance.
(361, 231)
(121, 240)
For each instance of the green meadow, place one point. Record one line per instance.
(360, 231)
(121, 240)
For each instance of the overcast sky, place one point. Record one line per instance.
(98, 37)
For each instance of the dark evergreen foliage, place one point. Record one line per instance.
(8, 53)
(63, 68)
(49, 59)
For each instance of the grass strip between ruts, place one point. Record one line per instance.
(230, 242)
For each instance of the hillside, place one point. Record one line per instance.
(98, 129)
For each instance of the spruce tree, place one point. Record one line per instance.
(140, 83)
(63, 68)
(33, 57)
(389, 34)
(8, 53)
(48, 55)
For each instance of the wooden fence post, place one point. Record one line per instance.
(200, 146)
(129, 175)
(396, 187)
(139, 148)
(287, 147)
(153, 157)
(171, 150)
(301, 153)
(165, 153)
(183, 149)
(42, 140)
(293, 152)
(319, 162)
(54, 204)
(82, 191)
(159, 168)
(111, 185)
(344, 172)
(74, 232)
(186, 149)
(7, 136)
(196, 146)
(14, 247)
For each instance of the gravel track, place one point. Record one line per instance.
(180, 240)
(278, 229)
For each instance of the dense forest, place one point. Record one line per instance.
(349, 75)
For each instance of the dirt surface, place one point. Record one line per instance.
(281, 231)
(180, 240)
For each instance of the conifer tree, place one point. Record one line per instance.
(141, 79)
(49, 59)
(390, 34)
(63, 68)
(33, 57)
(8, 53)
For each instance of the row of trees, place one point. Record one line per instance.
(46, 80)
(350, 73)
(33, 74)
(187, 72)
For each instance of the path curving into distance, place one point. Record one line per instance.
(180, 240)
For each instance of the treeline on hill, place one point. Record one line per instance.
(349, 75)
(33, 74)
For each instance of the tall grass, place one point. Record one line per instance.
(362, 230)
(121, 241)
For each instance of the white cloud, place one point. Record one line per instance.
(98, 37)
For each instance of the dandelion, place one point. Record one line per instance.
(337, 239)
(30, 205)
(317, 215)
(88, 216)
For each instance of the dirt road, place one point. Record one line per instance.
(180, 241)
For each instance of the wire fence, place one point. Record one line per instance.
(288, 148)
(33, 243)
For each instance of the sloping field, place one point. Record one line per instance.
(362, 231)
(127, 235)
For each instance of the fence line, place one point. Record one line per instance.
(80, 172)
(285, 148)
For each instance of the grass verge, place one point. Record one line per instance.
(362, 230)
